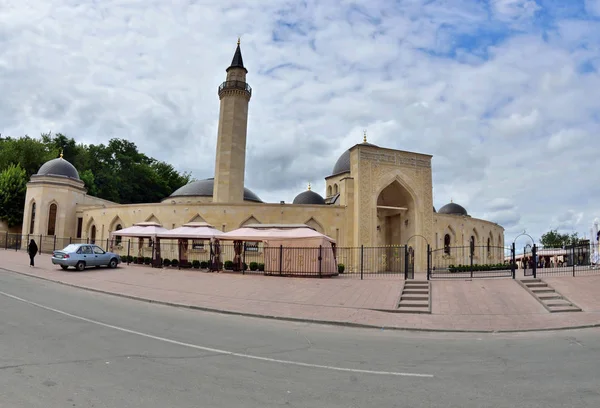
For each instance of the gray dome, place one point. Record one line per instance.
(204, 188)
(58, 167)
(434, 209)
(453, 209)
(342, 165)
(308, 197)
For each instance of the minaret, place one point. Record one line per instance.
(230, 163)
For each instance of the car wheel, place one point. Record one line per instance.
(80, 266)
(112, 264)
(64, 267)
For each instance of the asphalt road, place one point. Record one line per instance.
(65, 347)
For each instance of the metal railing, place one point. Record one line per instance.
(472, 261)
(239, 85)
(250, 257)
(573, 260)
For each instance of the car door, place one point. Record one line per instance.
(87, 255)
(100, 257)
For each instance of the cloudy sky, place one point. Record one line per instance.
(503, 93)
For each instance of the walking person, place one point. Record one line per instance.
(32, 249)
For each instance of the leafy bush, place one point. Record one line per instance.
(228, 265)
(147, 260)
(341, 268)
(261, 267)
(204, 265)
(244, 266)
(135, 259)
(196, 264)
(175, 262)
(479, 268)
(166, 262)
(253, 266)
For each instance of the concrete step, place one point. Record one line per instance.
(416, 292)
(536, 285)
(565, 309)
(426, 298)
(416, 282)
(540, 291)
(552, 300)
(414, 304)
(550, 296)
(558, 303)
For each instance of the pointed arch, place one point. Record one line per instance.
(250, 220)
(32, 209)
(314, 224)
(153, 218)
(475, 234)
(52, 214)
(197, 218)
(329, 191)
(401, 179)
(116, 221)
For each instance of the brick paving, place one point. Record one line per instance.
(461, 305)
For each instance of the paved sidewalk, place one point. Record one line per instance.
(485, 305)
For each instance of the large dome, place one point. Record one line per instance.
(342, 165)
(309, 197)
(204, 188)
(58, 167)
(453, 209)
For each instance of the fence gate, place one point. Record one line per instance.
(472, 261)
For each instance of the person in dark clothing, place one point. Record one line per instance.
(32, 250)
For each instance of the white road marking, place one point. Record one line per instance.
(214, 350)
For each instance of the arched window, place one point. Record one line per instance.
(489, 247)
(472, 245)
(335, 189)
(329, 191)
(447, 244)
(32, 221)
(118, 237)
(93, 235)
(52, 219)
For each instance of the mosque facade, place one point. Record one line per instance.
(375, 197)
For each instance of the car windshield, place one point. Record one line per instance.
(70, 248)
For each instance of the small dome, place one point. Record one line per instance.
(309, 197)
(204, 188)
(453, 209)
(342, 165)
(58, 167)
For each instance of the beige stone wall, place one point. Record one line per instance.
(4, 228)
(374, 169)
(329, 220)
(67, 194)
(461, 229)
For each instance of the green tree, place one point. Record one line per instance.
(90, 183)
(13, 186)
(554, 239)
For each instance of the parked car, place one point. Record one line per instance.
(81, 256)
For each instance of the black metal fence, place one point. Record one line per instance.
(249, 257)
(471, 262)
(574, 260)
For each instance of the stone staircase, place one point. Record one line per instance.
(553, 301)
(415, 297)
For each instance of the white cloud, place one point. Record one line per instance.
(506, 108)
(592, 7)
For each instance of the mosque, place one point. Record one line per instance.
(374, 196)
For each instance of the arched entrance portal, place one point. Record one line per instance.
(395, 215)
(395, 225)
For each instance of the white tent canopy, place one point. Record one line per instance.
(254, 234)
(142, 229)
(191, 230)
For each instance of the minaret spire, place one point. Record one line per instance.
(237, 61)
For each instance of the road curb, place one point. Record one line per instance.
(302, 320)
